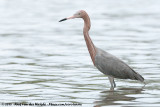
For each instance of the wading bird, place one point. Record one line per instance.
(104, 61)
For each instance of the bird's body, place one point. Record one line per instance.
(104, 61)
(114, 67)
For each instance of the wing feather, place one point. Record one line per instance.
(112, 66)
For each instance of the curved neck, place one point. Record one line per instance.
(89, 43)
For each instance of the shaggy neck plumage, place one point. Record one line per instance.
(89, 43)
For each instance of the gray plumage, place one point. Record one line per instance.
(105, 62)
(114, 67)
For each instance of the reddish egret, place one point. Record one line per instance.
(104, 61)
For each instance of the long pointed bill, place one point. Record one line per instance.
(63, 19)
(72, 17)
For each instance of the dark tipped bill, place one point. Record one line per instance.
(63, 19)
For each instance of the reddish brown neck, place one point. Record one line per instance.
(89, 43)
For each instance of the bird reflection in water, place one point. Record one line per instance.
(111, 97)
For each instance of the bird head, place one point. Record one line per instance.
(78, 14)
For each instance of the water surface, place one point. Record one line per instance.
(45, 61)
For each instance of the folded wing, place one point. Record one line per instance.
(112, 66)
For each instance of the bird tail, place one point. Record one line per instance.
(139, 77)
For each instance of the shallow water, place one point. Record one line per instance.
(45, 61)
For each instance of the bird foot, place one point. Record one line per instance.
(111, 89)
